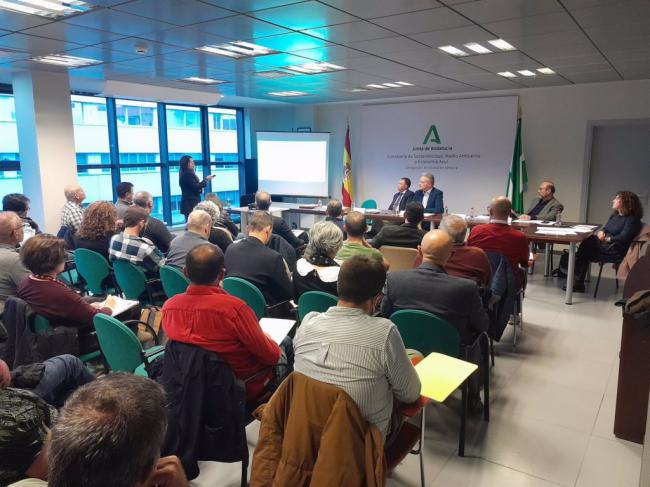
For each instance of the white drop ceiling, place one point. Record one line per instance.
(377, 41)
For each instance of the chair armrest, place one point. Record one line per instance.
(410, 410)
(153, 351)
(146, 325)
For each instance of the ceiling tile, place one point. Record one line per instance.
(503, 61)
(369, 9)
(35, 45)
(263, 63)
(613, 13)
(302, 16)
(423, 21)
(240, 27)
(129, 45)
(14, 21)
(456, 36)
(291, 42)
(543, 80)
(103, 54)
(537, 24)
(331, 53)
(72, 33)
(178, 12)
(250, 5)
(595, 77)
(482, 11)
(184, 37)
(386, 45)
(350, 32)
(118, 22)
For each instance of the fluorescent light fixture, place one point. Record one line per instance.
(454, 51)
(507, 74)
(237, 50)
(46, 8)
(357, 90)
(503, 45)
(287, 93)
(315, 68)
(477, 48)
(68, 61)
(546, 70)
(526, 72)
(377, 86)
(392, 85)
(273, 74)
(403, 83)
(203, 81)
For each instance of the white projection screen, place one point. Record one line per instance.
(293, 163)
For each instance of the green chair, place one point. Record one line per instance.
(133, 282)
(315, 301)
(42, 324)
(369, 204)
(120, 346)
(94, 268)
(173, 280)
(248, 293)
(428, 333)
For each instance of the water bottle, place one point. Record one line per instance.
(320, 204)
(558, 218)
(472, 213)
(446, 210)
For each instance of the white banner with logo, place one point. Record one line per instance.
(466, 144)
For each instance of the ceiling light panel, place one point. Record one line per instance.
(477, 48)
(287, 93)
(454, 51)
(53, 9)
(315, 68)
(237, 50)
(546, 70)
(67, 61)
(203, 81)
(503, 45)
(526, 72)
(273, 74)
(507, 74)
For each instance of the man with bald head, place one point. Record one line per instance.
(12, 270)
(280, 227)
(465, 261)
(199, 224)
(355, 226)
(499, 237)
(545, 206)
(72, 212)
(156, 230)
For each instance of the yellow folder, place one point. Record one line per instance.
(441, 375)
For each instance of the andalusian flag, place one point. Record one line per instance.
(348, 194)
(517, 176)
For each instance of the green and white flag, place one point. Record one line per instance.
(517, 177)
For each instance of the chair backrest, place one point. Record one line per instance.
(173, 280)
(426, 333)
(248, 293)
(400, 258)
(120, 346)
(130, 278)
(94, 268)
(371, 204)
(41, 323)
(315, 301)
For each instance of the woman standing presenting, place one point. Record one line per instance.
(191, 186)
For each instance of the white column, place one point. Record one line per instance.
(46, 140)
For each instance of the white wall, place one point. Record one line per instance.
(555, 133)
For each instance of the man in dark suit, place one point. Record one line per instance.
(280, 227)
(333, 213)
(429, 196)
(408, 234)
(403, 196)
(252, 260)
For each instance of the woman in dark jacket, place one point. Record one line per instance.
(613, 240)
(191, 186)
(97, 228)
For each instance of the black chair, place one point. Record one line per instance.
(616, 260)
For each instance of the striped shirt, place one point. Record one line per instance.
(362, 355)
(71, 216)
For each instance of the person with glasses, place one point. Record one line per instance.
(12, 271)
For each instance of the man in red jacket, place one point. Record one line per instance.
(206, 316)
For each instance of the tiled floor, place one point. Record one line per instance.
(552, 407)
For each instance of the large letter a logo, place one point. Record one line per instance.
(432, 136)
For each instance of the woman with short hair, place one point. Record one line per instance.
(317, 270)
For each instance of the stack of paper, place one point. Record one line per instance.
(276, 328)
(536, 222)
(584, 228)
(556, 231)
(120, 305)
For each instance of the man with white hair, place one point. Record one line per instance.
(430, 196)
(72, 212)
(199, 224)
(465, 261)
(156, 230)
(12, 270)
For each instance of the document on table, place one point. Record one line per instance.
(360, 210)
(584, 228)
(440, 375)
(276, 328)
(536, 222)
(121, 305)
(558, 231)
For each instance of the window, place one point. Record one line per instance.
(226, 183)
(175, 192)
(137, 132)
(136, 113)
(146, 178)
(222, 128)
(10, 176)
(184, 133)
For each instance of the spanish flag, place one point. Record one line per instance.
(346, 189)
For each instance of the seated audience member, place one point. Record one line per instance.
(252, 260)
(224, 220)
(206, 316)
(365, 355)
(132, 247)
(430, 197)
(44, 255)
(198, 229)
(465, 261)
(408, 234)
(72, 213)
(355, 244)
(613, 240)
(545, 206)
(403, 196)
(12, 270)
(124, 201)
(19, 204)
(334, 214)
(110, 433)
(97, 228)
(156, 230)
(317, 270)
(498, 236)
(219, 236)
(284, 248)
(280, 227)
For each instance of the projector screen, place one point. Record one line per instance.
(293, 163)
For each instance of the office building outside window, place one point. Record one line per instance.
(10, 176)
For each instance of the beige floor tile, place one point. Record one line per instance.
(610, 463)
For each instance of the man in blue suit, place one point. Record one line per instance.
(403, 196)
(430, 197)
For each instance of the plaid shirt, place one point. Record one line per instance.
(136, 250)
(71, 215)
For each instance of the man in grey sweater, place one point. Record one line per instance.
(198, 230)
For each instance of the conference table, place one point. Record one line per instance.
(530, 229)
